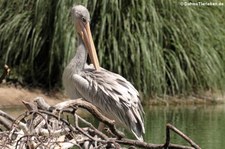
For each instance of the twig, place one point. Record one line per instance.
(6, 120)
(102, 135)
(82, 131)
(185, 137)
(5, 73)
(6, 123)
(150, 145)
(85, 105)
(93, 110)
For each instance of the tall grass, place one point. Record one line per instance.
(160, 46)
(35, 39)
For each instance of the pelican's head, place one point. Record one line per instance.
(81, 18)
(80, 13)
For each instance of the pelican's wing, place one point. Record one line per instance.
(112, 94)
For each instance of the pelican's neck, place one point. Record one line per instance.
(76, 65)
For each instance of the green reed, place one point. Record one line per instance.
(160, 46)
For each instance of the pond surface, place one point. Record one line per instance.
(205, 125)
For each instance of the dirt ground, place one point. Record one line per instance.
(11, 96)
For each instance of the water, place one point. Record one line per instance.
(205, 125)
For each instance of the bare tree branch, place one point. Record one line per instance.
(171, 127)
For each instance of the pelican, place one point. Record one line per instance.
(112, 94)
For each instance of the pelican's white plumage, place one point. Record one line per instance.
(112, 94)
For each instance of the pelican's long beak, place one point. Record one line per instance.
(85, 33)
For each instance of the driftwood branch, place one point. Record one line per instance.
(171, 127)
(94, 111)
(45, 126)
(5, 73)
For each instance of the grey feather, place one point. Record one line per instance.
(113, 95)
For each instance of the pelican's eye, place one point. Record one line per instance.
(84, 20)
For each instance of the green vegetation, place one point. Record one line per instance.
(36, 38)
(160, 46)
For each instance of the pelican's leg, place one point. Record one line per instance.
(101, 126)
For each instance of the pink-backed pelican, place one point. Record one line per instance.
(112, 94)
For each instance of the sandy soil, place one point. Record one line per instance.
(11, 96)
